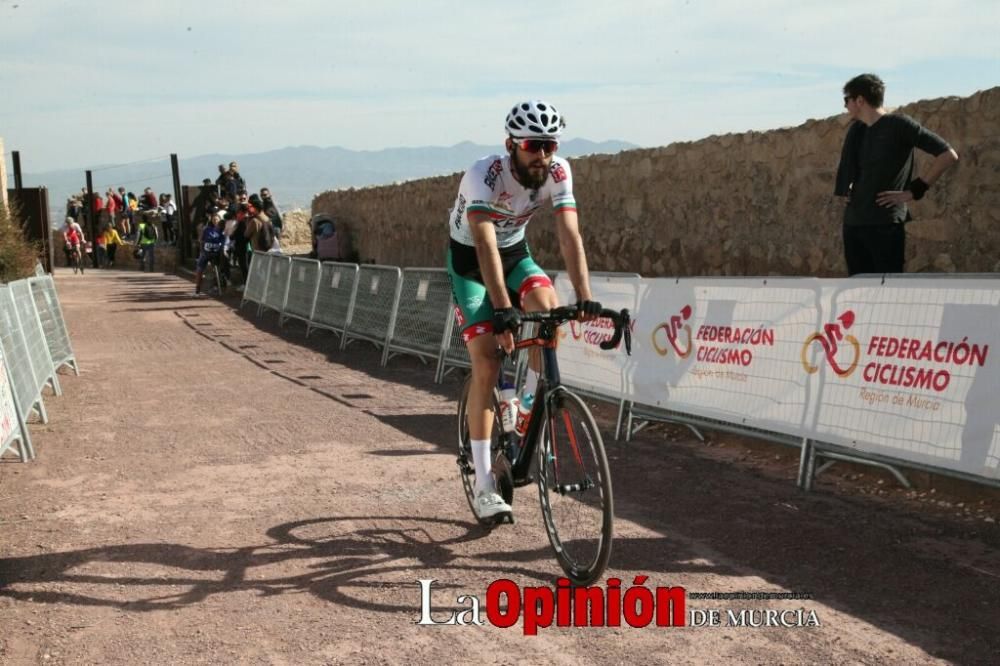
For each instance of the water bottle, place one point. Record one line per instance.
(508, 406)
(523, 414)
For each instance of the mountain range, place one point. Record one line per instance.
(294, 174)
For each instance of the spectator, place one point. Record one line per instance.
(201, 206)
(220, 181)
(111, 206)
(234, 172)
(148, 200)
(876, 176)
(239, 237)
(133, 207)
(147, 237)
(260, 233)
(100, 247)
(74, 209)
(271, 210)
(111, 242)
(169, 215)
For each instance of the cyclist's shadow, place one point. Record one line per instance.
(366, 562)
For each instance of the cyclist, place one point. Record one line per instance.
(213, 240)
(491, 268)
(73, 239)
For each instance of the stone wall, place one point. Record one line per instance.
(756, 203)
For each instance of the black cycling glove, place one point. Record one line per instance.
(505, 319)
(592, 308)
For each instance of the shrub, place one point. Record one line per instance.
(18, 255)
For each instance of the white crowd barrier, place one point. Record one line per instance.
(13, 432)
(53, 324)
(421, 316)
(34, 344)
(375, 303)
(893, 370)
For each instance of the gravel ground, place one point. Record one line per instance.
(216, 489)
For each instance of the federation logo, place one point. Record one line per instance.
(827, 339)
(671, 333)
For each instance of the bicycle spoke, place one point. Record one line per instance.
(575, 490)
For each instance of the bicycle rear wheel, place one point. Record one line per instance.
(466, 466)
(574, 486)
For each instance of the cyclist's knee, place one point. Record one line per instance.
(541, 299)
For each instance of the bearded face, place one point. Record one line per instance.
(531, 169)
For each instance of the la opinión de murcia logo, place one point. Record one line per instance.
(613, 605)
(833, 333)
(671, 332)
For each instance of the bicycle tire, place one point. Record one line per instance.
(574, 487)
(466, 466)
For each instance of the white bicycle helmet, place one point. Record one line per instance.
(535, 119)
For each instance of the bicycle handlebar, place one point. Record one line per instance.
(620, 318)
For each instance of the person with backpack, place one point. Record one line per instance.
(147, 243)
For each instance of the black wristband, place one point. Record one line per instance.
(918, 188)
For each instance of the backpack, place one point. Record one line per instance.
(149, 231)
(265, 237)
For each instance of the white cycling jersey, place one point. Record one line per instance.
(489, 187)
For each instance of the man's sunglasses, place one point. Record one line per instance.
(536, 145)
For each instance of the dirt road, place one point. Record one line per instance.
(214, 489)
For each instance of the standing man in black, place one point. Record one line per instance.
(876, 175)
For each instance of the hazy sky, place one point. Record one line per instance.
(112, 81)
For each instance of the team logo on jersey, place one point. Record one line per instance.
(492, 174)
(558, 172)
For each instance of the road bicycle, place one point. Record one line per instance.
(571, 467)
(76, 259)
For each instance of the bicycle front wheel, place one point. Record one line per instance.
(574, 486)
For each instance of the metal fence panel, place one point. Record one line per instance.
(53, 323)
(27, 387)
(277, 281)
(421, 317)
(12, 429)
(256, 284)
(454, 353)
(374, 304)
(303, 281)
(335, 295)
(38, 349)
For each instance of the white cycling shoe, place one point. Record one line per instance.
(490, 506)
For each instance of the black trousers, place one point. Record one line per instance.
(877, 248)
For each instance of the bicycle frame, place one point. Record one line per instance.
(548, 384)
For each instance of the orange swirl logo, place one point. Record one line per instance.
(828, 341)
(671, 332)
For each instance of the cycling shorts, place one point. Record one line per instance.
(206, 257)
(473, 309)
